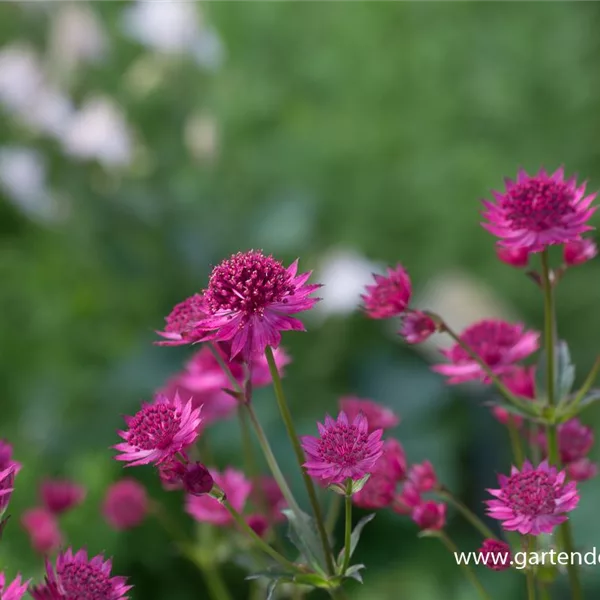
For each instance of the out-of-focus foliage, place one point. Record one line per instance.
(139, 147)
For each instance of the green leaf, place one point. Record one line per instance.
(569, 411)
(564, 372)
(302, 532)
(353, 572)
(355, 537)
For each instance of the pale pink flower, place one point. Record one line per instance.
(158, 431)
(61, 495)
(417, 327)
(430, 515)
(515, 257)
(42, 527)
(125, 504)
(496, 555)
(579, 251)
(389, 295)
(207, 509)
(423, 476)
(581, 470)
(498, 343)
(180, 325)
(249, 300)
(536, 211)
(77, 577)
(377, 415)
(533, 500)
(15, 590)
(344, 450)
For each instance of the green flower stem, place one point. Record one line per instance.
(333, 513)
(310, 488)
(530, 574)
(468, 571)
(348, 530)
(553, 455)
(587, 384)
(515, 441)
(261, 544)
(225, 368)
(469, 515)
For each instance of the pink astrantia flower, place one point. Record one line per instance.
(267, 495)
(42, 527)
(125, 504)
(533, 500)
(7, 482)
(521, 382)
(499, 344)
(377, 415)
(579, 251)
(389, 295)
(407, 500)
(59, 495)
(249, 300)
(581, 470)
(158, 431)
(575, 440)
(181, 323)
(430, 515)
(515, 257)
(15, 590)
(6, 459)
(207, 509)
(417, 327)
(344, 451)
(537, 211)
(76, 576)
(423, 476)
(496, 555)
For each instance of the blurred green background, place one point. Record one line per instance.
(143, 142)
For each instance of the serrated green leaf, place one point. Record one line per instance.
(302, 532)
(355, 536)
(564, 372)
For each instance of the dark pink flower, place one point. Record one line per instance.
(344, 450)
(574, 440)
(249, 300)
(209, 510)
(197, 479)
(515, 257)
(266, 494)
(537, 211)
(60, 495)
(581, 470)
(15, 590)
(77, 577)
(423, 476)
(377, 493)
(521, 382)
(259, 524)
(496, 555)
(390, 295)
(533, 500)
(43, 530)
(261, 375)
(498, 343)
(393, 462)
(125, 504)
(7, 482)
(407, 500)
(430, 515)
(158, 431)
(377, 415)
(579, 251)
(6, 460)
(181, 323)
(417, 327)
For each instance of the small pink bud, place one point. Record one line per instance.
(125, 504)
(579, 251)
(423, 476)
(43, 530)
(430, 515)
(496, 555)
(197, 480)
(61, 495)
(171, 475)
(417, 327)
(582, 470)
(515, 257)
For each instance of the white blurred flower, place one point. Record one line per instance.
(20, 76)
(344, 273)
(201, 137)
(23, 179)
(208, 49)
(99, 131)
(76, 36)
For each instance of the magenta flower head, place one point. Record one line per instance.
(15, 590)
(344, 451)
(207, 509)
(7, 482)
(249, 300)
(125, 504)
(423, 476)
(43, 530)
(407, 500)
(575, 440)
(496, 555)
(499, 344)
(377, 415)
(158, 431)
(390, 295)
(6, 460)
(581, 470)
(60, 495)
(417, 327)
(430, 515)
(515, 257)
(579, 251)
(181, 326)
(76, 576)
(537, 211)
(197, 479)
(533, 500)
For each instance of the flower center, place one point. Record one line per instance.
(343, 445)
(81, 581)
(538, 204)
(185, 314)
(154, 426)
(247, 282)
(490, 339)
(530, 494)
